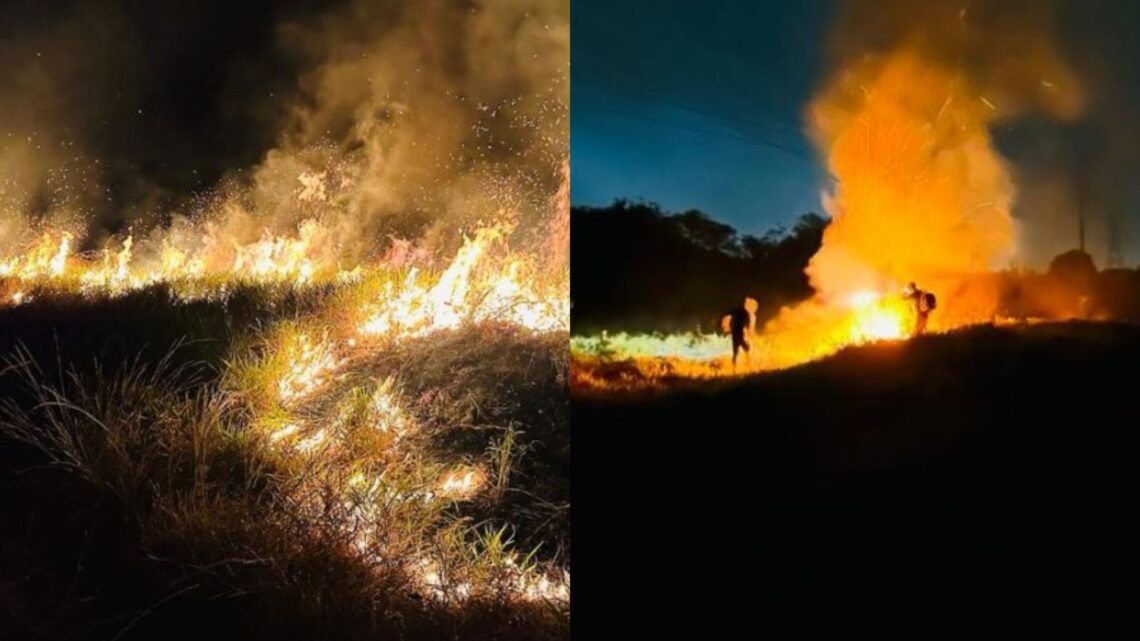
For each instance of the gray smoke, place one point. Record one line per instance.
(381, 118)
(423, 116)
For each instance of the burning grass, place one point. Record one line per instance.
(625, 361)
(340, 481)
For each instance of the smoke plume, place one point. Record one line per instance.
(354, 122)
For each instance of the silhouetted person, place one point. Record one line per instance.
(740, 323)
(924, 303)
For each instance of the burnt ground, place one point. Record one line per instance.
(991, 471)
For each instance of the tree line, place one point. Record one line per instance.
(638, 268)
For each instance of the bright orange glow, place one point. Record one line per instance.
(484, 282)
(877, 318)
(462, 482)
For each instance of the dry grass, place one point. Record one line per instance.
(223, 522)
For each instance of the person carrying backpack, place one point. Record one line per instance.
(924, 303)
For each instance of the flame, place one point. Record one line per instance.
(310, 363)
(386, 410)
(474, 288)
(528, 584)
(484, 282)
(275, 258)
(45, 259)
(114, 274)
(921, 196)
(877, 317)
(313, 441)
(284, 432)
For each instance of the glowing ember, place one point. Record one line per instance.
(462, 483)
(386, 410)
(285, 432)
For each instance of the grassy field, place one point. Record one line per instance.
(986, 469)
(161, 476)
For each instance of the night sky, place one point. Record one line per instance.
(700, 105)
(166, 95)
(697, 105)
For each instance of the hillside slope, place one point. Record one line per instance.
(977, 468)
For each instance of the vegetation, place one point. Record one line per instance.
(149, 487)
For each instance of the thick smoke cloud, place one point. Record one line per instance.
(1062, 75)
(375, 117)
(420, 117)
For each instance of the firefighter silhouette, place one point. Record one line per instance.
(924, 303)
(740, 323)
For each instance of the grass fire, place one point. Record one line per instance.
(322, 393)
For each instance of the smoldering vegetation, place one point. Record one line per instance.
(145, 496)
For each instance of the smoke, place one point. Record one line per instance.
(47, 172)
(418, 118)
(1061, 76)
(1006, 49)
(1089, 165)
(112, 112)
(905, 123)
(216, 124)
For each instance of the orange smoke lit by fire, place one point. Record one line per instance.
(921, 195)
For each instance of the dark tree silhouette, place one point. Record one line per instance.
(637, 268)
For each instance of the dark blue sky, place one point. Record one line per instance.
(697, 105)
(700, 105)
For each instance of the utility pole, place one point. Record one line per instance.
(1115, 251)
(1078, 197)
